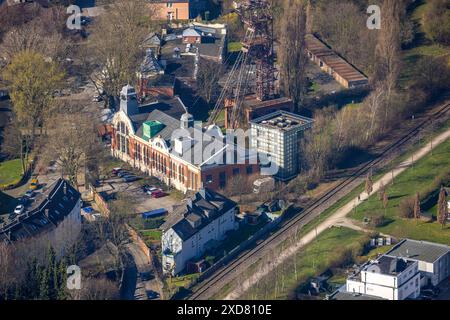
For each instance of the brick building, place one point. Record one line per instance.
(177, 9)
(162, 140)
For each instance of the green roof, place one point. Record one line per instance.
(151, 129)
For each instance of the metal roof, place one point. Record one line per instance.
(419, 250)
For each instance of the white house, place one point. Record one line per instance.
(206, 218)
(388, 278)
(433, 258)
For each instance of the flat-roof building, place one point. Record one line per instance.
(278, 134)
(388, 278)
(433, 258)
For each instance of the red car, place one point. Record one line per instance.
(158, 194)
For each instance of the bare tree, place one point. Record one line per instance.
(115, 57)
(369, 183)
(209, 73)
(442, 208)
(417, 212)
(17, 143)
(72, 139)
(292, 54)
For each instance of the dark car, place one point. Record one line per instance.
(430, 292)
(116, 170)
(152, 295)
(147, 276)
(130, 178)
(30, 193)
(123, 173)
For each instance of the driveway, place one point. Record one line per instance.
(143, 265)
(142, 201)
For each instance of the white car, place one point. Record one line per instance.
(19, 209)
(151, 190)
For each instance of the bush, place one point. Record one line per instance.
(377, 221)
(407, 208)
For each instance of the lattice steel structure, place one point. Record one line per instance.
(258, 19)
(257, 48)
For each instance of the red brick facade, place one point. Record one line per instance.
(176, 172)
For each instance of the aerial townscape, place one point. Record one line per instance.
(254, 150)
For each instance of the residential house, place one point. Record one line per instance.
(388, 278)
(53, 219)
(175, 10)
(205, 220)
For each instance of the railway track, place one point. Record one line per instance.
(201, 291)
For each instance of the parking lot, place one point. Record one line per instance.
(142, 202)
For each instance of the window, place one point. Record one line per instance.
(222, 179)
(249, 170)
(169, 5)
(236, 171)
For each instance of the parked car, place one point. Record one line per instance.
(152, 295)
(116, 170)
(19, 209)
(34, 184)
(152, 190)
(123, 173)
(430, 292)
(97, 98)
(159, 194)
(24, 200)
(130, 178)
(147, 276)
(30, 193)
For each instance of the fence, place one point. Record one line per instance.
(138, 240)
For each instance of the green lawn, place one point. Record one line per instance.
(234, 46)
(327, 250)
(10, 172)
(420, 178)
(425, 48)
(151, 235)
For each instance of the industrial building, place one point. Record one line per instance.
(143, 136)
(278, 134)
(433, 259)
(330, 62)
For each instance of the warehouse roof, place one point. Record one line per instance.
(332, 59)
(419, 250)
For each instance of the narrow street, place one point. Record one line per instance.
(134, 286)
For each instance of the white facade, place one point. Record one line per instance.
(179, 251)
(371, 281)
